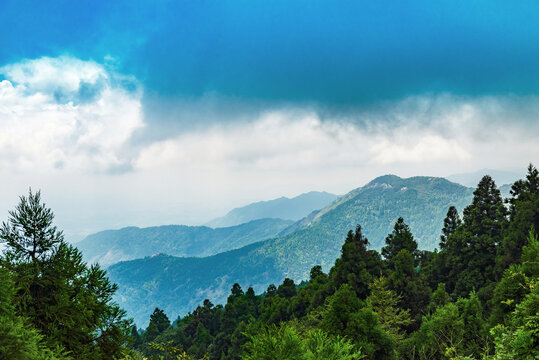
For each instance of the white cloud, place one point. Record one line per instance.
(48, 75)
(65, 113)
(425, 149)
(66, 124)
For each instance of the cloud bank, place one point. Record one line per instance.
(79, 130)
(66, 113)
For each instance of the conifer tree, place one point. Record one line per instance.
(385, 304)
(524, 212)
(67, 301)
(401, 238)
(486, 215)
(159, 322)
(470, 252)
(451, 223)
(357, 265)
(19, 340)
(287, 289)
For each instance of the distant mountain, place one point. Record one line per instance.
(177, 285)
(472, 179)
(282, 208)
(111, 246)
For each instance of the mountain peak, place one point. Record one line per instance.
(388, 180)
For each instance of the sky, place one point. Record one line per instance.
(173, 112)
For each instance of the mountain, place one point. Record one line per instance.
(283, 208)
(111, 246)
(178, 284)
(421, 201)
(472, 179)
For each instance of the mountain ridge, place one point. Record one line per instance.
(422, 201)
(294, 208)
(111, 246)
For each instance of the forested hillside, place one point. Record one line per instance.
(111, 246)
(476, 298)
(158, 281)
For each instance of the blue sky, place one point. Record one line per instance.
(332, 52)
(152, 112)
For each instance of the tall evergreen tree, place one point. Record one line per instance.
(385, 304)
(524, 212)
(486, 215)
(159, 322)
(451, 224)
(357, 265)
(405, 280)
(401, 238)
(470, 251)
(68, 302)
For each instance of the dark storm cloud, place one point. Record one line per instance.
(337, 53)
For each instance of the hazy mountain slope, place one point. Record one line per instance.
(283, 208)
(421, 201)
(178, 284)
(111, 246)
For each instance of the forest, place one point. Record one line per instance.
(474, 297)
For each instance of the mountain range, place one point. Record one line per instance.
(111, 246)
(285, 208)
(177, 285)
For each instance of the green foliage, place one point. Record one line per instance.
(159, 322)
(451, 223)
(286, 342)
(19, 340)
(69, 303)
(470, 252)
(407, 282)
(346, 315)
(400, 239)
(384, 302)
(438, 298)
(524, 213)
(357, 265)
(520, 338)
(171, 352)
(452, 331)
(178, 285)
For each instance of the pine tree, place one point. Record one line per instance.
(357, 265)
(486, 215)
(19, 340)
(451, 224)
(384, 303)
(405, 280)
(68, 302)
(401, 238)
(159, 322)
(287, 289)
(439, 298)
(470, 252)
(524, 212)
(347, 316)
